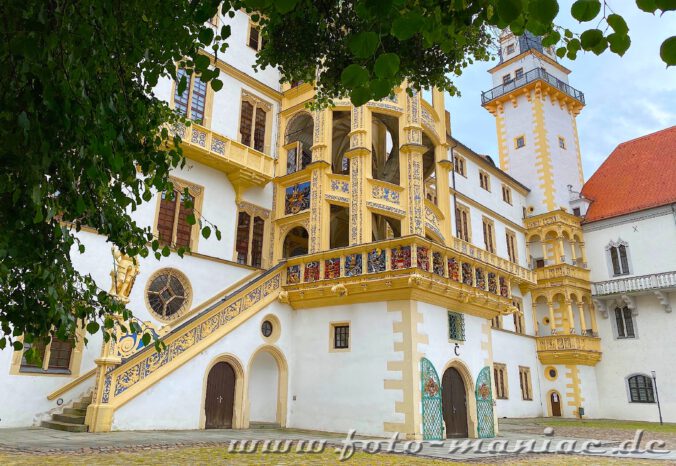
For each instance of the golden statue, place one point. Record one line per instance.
(123, 275)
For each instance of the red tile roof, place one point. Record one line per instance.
(638, 174)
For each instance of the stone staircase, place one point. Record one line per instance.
(71, 419)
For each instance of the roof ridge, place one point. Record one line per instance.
(646, 135)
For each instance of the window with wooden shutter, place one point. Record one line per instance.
(525, 383)
(246, 122)
(510, 237)
(462, 219)
(242, 245)
(251, 221)
(60, 353)
(257, 242)
(165, 219)
(254, 35)
(489, 235)
(54, 356)
(183, 228)
(259, 131)
(173, 228)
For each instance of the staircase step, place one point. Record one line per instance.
(64, 426)
(68, 418)
(75, 411)
(264, 425)
(81, 405)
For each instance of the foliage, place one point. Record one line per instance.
(86, 141)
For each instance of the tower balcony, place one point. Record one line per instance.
(569, 349)
(410, 267)
(244, 166)
(662, 282)
(561, 274)
(532, 76)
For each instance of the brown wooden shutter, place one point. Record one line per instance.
(242, 242)
(246, 120)
(165, 218)
(60, 353)
(183, 228)
(257, 242)
(253, 37)
(259, 132)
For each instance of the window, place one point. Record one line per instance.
(456, 326)
(459, 166)
(525, 383)
(506, 79)
(562, 143)
(507, 194)
(519, 324)
(510, 236)
(340, 336)
(496, 322)
(255, 41)
(55, 357)
(489, 235)
(250, 234)
(520, 142)
(641, 389)
(625, 323)
(192, 102)
(619, 259)
(174, 209)
(500, 375)
(576, 211)
(253, 122)
(518, 74)
(510, 49)
(484, 180)
(462, 224)
(168, 294)
(266, 328)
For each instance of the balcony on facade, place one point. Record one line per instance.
(537, 74)
(645, 283)
(244, 166)
(569, 349)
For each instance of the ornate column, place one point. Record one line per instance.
(411, 168)
(583, 321)
(562, 251)
(361, 228)
(320, 210)
(573, 252)
(544, 250)
(583, 253)
(536, 326)
(552, 321)
(443, 169)
(571, 318)
(592, 314)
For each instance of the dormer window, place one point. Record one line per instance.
(506, 79)
(518, 74)
(510, 49)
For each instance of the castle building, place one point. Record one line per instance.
(374, 273)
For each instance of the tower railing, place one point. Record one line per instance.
(529, 77)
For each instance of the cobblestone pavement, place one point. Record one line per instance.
(45, 446)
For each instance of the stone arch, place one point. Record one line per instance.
(299, 130)
(468, 380)
(549, 402)
(238, 406)
(296, 241)
(282, 382)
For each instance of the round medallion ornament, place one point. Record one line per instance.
(484, 391)
(266, 328)
(431, 387)
(168, 294)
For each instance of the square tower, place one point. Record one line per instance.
(535, 110)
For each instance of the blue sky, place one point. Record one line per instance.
(626, 97)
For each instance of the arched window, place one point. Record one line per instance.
(251, 221)
(619, 258)
(625, 323)
(641, 389)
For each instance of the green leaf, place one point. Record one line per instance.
(380, 88)
(285, 6)
(543, 11)
(618, 23)
(17, 345)
(353, 76)
(666, 5)
(191, 219)
(509, 10)
(206, 232)
(218, 234)
(619, 43)
(408, 25)
(364, 44)
(668, 51)
(591, 38)
(206, 35)
(360, 95)
(216, 85)
(202, 62)
(92, 327)
(585, 10)
(145, 339)
(648, 6)
(166, 251)
(387, 65)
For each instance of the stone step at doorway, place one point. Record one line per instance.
(71, 418)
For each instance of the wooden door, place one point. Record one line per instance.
(454, 404)
(220, 398)
(555, 400)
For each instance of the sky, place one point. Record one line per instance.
(626, 97)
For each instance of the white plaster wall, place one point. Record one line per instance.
(148, 411)
(263, 386)
(565, 163)
(338, 391)
(560, 385)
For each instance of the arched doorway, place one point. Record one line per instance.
(220, 397)
(296, 242)
(454, 403)
(263, 389)
(555, 403)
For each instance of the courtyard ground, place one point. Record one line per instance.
(47, 447)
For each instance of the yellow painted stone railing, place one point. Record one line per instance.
(569, 349)
(551, 218)
(521, 273)
(225, 154)
(562, 271)
(146, 367)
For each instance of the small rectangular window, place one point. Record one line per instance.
(510, 49)
(576, 211)
(506, 79)
(507, 194)
(510, 238)
(519, 324)
(254, 36)
(484, 180)
(520, 142)
(525, 383)
(489, 235)
(518, 74)
(456, 326)
(496, 322)
(500, 375)
(341, 336)
(459, 166)
(462, 223)
(562, 143)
